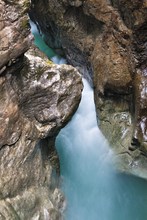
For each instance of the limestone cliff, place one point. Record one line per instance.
(36, 100)
(107, 40)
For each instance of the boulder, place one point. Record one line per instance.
(36, 102)
(107, 41)
(37, 99)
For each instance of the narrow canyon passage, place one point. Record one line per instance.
(92, 188)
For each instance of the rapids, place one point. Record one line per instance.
(93, 189)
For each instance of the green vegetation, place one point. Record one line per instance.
(49, 62)
(26, 5)
(25, 23)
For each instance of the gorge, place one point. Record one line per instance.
(93, 188)
(106, 42)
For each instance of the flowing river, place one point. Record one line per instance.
(92, 188)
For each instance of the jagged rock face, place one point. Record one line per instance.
(15, 37)
(107, 39)
(36, 100)
(36, 103)
(65, 25)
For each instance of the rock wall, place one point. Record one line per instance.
(107, 41)
(37, 99)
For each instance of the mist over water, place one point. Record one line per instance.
(92, 188)
(83, 162)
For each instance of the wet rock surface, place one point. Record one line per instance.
(15, 38)
(108, 41)
(37, 99)
(36, 103)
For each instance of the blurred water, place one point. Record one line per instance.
(93, 189)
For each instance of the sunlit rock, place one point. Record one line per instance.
(37, 98)
(107, 41)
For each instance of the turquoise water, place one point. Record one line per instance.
(93, 189)
(39, 42)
